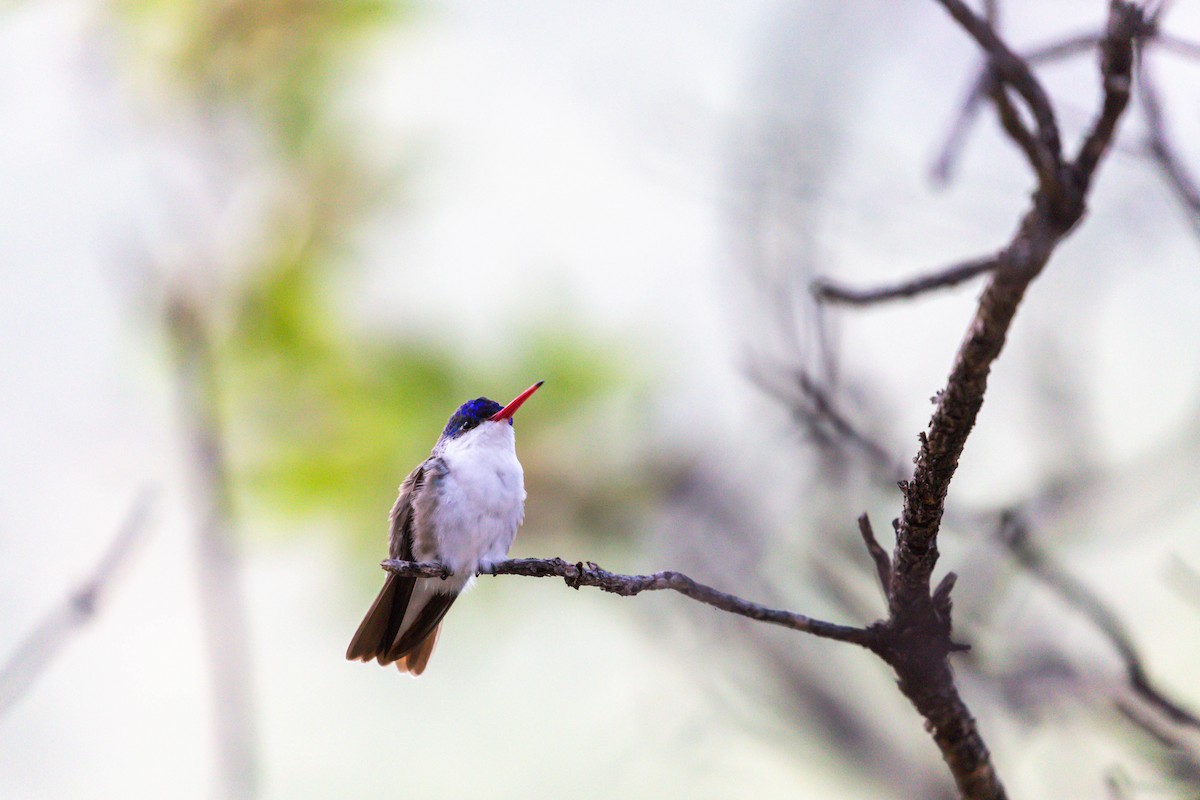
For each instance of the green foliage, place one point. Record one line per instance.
(329, 424)
(274, 59)
(324, 422)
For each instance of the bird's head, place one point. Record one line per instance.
(473, 413)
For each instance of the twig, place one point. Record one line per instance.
(813, 406)
(1126, 25)
(1014, 533)
(1184, 760)
(1181, 182)
(983, 87)
(830, 292)
(824, 408)
(34, 654)
(883, 564)
(1012, 70)
(1178, 46)
(1013, 125)
(589, 574)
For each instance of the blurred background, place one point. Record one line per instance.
(255, 253)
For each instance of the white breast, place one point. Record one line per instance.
(480, 500)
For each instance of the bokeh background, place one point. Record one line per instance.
(254, 254)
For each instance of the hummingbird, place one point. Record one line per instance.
(460, 507)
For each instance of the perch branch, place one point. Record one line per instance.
(588, 574)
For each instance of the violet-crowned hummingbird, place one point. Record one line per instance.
(461, 507)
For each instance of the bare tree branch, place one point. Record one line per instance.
(589, 574)
(1013, 125)
(1182, 759)
(35, 653)
(915, 639)
(1055, 211)
(1014, 533)
(918, 620)
(830, 292)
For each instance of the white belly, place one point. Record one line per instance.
(480, 502)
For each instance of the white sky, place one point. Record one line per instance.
(569, 159)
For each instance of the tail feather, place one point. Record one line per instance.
(421, 623)
(414, 663)
(401, 626)
(381, 625)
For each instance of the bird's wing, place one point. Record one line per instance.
(404, 513)
(380, 628)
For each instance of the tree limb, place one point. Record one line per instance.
(813, 405)
(1058, 205)
(1054, 213)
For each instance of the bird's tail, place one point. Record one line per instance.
(402, 625)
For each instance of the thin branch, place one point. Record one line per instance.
(1012, 70)
(830, 292)
(1183, 761)
(1178, 46)
(883, 564)
(956, 137)
(813, 406)
(1164, 154)
(1014, 533)
(37, 651)
(1014, 126)
(1125, 25)
(824, 408)
(588, 574)
(983, 87)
